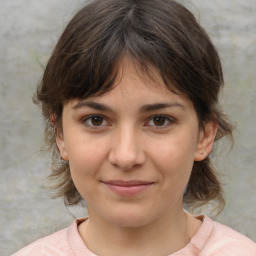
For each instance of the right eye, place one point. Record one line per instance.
(95, 121)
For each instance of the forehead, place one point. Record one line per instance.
(132, 76)
(133, 86)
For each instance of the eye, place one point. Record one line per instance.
(95, 121)
(160, 121)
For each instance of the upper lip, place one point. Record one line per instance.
(127, 183)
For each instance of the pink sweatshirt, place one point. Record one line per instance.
(212, 239)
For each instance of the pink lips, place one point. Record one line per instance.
(128, 188)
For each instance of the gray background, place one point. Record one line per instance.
(28, 31)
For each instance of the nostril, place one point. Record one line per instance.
(126, 152)
(126, 161)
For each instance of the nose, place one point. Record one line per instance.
(126, 149)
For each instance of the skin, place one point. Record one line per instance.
(140, 132)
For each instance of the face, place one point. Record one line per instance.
(131, 151)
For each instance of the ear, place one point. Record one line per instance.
(205, 140)
(61, 146)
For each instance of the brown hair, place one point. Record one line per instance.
(161, 34)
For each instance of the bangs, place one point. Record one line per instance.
(86, 59)
(91, 48)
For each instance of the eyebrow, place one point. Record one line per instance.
(93, 105)
(158, 106)
(145, 108)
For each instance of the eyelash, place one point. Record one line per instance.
(167, 121)
(89, 119)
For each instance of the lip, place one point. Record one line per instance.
(128, 188)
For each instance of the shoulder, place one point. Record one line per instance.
(228, 242)
(55, 244)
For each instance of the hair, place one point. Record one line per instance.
(161, 34)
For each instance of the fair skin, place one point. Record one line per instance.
(131, 153)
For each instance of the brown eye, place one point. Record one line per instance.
(97, 120)
(159, 120)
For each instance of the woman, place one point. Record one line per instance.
(130, 99)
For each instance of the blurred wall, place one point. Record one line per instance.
(28, 31)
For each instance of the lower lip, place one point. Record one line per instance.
(128, 190)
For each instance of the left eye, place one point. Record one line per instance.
(159, 121)
(95, 121)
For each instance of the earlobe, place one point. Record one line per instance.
(206, 140)
(61, 146)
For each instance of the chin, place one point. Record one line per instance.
(128, 218)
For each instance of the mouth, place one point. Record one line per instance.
(128, 188)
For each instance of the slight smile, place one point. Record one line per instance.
(128, 188)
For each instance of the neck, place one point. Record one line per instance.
(163, 237)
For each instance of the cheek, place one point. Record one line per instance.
(85, 158)
(174, 159)
(175, 151)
